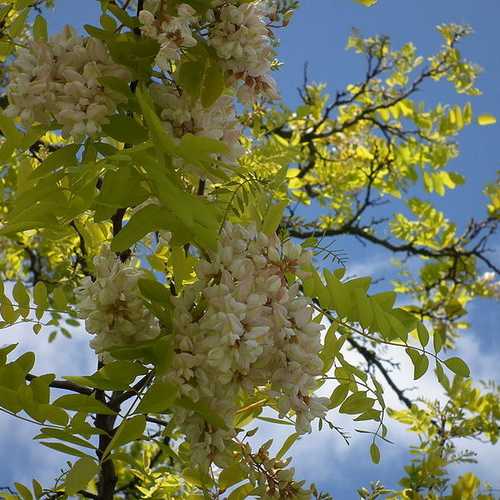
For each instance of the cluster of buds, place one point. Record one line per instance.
(240, 328)
(273, 477)
(112, 305)
(58, 79)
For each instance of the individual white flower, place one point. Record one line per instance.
(59, 80)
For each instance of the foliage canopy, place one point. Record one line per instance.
(155, 186)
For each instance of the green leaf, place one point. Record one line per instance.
(199, 150)
(7, 311)
(189, 77)
(63, 448)
(356, 403)
(61, 435)
(125, 129)
(107, 22)
(385, 300)
(116, 193)
(20, 295)
(159, 397)
(60, 299)
(148, 219)
(364, 307)
(442, 378)
(129, 430)
(420, 362)
(213, 84)
(338, 395)
(136, 53)
(241, 492)
(231, 475)
(41, 387)
(289, 442)
(4, 351)
(182, 264)
(201, 75)
(423, 334)
(23, 491)
(374, 453)
(122, 16)
(486, 119)
(82, 402)
(457, 366)
(40, 295)
(159, 135)
(273, 217)
(37, 488)
(114, 376)
(26, 361)
(80, 475)
(40, 31)
(158, 352)
(155, 291)
(9, 399)
(438, 340)
(272, 420)
(64, 156)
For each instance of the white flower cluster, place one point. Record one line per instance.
(255, 331)
(58, 79)
(243, 41)
(181, 116)
(112, 305)
(237, 31)
(173, 33)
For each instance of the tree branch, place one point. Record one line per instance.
(65, 385)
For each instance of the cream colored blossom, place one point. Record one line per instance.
(173, 33)
(180, 116)
(256, 330)
(58, 80)
(243, 42)
(112, 306)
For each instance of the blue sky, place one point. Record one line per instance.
(318, 35)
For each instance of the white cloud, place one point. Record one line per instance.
(324, 458)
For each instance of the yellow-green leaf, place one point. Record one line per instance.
(486, 119)
(23, 491)
(82, 402)
(458, 366)
(129, 430)
(374, 453)
(80, 475)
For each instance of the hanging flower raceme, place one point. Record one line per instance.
(58, 79)
(180, 116)
(172, 32)
(241, 326)
(112, 306)
(243, 42)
